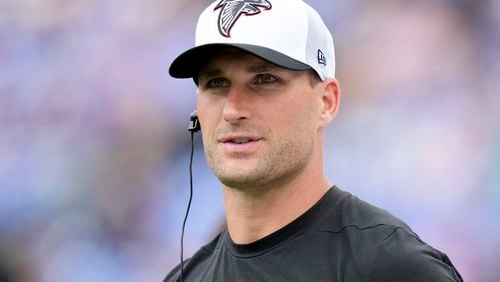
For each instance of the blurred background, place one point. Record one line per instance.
(94, 148)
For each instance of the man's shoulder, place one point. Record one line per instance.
(348, 211)
(384, 246)
(403, 256)
(367, 228)
(358, 226)
(199, 258)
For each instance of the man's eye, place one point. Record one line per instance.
(217, 82)
(266, 78)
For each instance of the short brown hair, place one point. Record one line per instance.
(314, 78)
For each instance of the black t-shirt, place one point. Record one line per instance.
(341, 238)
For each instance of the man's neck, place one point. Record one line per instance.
(253, 215)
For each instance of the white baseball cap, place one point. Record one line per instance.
(288, 33)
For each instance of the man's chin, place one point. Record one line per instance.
(239, 173)
(240, 181)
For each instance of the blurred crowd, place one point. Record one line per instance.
(94, 149)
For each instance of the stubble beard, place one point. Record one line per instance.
(273, 167)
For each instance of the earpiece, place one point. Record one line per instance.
(194, 123)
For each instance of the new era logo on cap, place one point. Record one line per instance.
(231, 10)
(321, 58)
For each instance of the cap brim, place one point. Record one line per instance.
(189, 63)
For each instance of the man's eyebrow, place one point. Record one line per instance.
(258, 68)
(263, 68)
(206, 73)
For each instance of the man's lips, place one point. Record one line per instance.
(240, 143)
(238, 139)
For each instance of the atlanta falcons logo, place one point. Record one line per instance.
(233, 9)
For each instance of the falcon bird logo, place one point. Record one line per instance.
(231, 10)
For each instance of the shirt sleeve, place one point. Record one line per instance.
(403, 256)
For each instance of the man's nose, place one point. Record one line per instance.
(237, 104)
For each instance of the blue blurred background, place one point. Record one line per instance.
(94, 149)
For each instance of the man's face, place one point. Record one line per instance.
(259, 121)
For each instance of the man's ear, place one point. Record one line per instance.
(330, 100)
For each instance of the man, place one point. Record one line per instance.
(265, 72)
